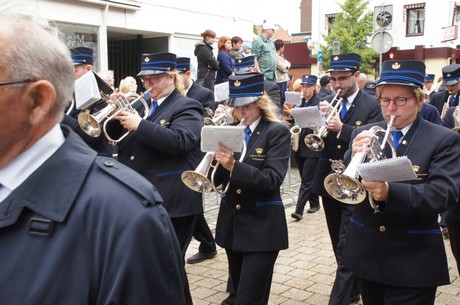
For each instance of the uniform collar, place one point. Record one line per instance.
(51, 189)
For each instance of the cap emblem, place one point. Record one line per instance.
(146, 59)
(237, 83)
(396, 66)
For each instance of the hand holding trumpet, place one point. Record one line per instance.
(334, 123)
(225, 157)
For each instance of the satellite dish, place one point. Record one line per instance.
(382, 42)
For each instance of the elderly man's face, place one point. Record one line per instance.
(15, 116)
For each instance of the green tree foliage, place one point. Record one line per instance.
(353, 28)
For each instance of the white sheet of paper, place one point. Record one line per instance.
(86, 90)
(221, 92)
(394, 169)
(292, 97)
(230, 136)
(308, 117)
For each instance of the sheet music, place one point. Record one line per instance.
(292, 98)
(230, 136)
(394, 169)
(221, 92)
(308, 117)
(86, 90)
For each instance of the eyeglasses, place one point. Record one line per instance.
(341, 79)
(152, 79)
(13, 82)
(399, 101)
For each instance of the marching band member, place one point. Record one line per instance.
(192, 89)
(357, 109)
(201, 232)
(307, 159)
(166, 143)
(452, 215)
(251, 224)
(398, 254)
(449, 97)
(82, 58)
(75, 228)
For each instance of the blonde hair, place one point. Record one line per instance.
(128, 84)
(268, 108)
(296, 85)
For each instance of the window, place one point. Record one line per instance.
(330, 22)
(415, 19)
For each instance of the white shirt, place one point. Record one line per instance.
(20, 168)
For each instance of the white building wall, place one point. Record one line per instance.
(438, 15)
(179, 20)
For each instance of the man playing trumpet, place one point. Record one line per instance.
(358, 109)
(397, 254)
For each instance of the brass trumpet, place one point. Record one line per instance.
(295, 137)
(314, 141)
(198, 181)
(345, 186)
(91, 124)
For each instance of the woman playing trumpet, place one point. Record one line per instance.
(397, 254)
(251, 225)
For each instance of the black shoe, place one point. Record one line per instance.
(312, 210)
(296, 216)
(230, 300)
(355, 299)
(199, 257)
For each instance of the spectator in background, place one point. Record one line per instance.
(265, 52)
(237, 45)
(128, 85)
(247, 49)
(207, 62)
(362, 80)
(108, 77)
(326, 87)
(282, 68)
(226, 62)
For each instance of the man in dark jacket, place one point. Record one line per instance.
(74, 228)
(448, 98)
(201, 232)
(357, 108)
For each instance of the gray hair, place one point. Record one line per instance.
(35, 52)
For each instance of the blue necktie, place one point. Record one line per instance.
(247, 135)
(397, 135)
(344, 108)
(155, 106)
(452, 100)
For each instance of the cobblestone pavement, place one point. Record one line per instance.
(303, 274)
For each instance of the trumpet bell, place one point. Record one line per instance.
(197, 182)
(89, 124)
(314, 142)
(344, 188)
(197, 179)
